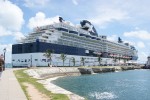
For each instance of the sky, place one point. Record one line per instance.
(128, 19)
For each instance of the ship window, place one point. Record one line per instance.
(74, 32)
(93, 38)
(62, 29)
(13, 60)
(44, 60)
(36, 59)
(83, 35)
(88, 36)
(48, 60)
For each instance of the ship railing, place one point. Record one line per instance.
(73, 28)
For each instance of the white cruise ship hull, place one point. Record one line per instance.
(37, 59)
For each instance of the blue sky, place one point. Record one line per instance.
(128, 19)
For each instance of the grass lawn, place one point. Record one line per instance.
(24, 78)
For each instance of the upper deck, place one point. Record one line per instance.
(70, 35)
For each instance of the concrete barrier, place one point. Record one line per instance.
(95, 70)
(108, 69)
(127, 67)
(85, 70)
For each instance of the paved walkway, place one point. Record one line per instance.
(9, 87)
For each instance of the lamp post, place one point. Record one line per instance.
(4, 50)
(31, 61)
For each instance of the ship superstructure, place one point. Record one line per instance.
(73, 41)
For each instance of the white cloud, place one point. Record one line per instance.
(112, 38)
(142, 57)
(11, 16)
(36, 3)
(18, 36)
(4, 32)
(40, 20)
(107, 15)
(129, 13)
(75, 2)
(141, 34)
(140, 44)
(11, 19)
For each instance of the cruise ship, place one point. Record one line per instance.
(74, 41)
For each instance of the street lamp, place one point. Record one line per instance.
(4, 50)
(31, 61)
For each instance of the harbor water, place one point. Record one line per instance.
(125, 85)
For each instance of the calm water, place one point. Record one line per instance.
(126, 85)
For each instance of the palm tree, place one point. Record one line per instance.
(83, 60)
(99, 60)
(63, 58)
(73, 61)
(125, 60)
(48, 54)
(115, 60)
(119, 60)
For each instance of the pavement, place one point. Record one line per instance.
(10, 89)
